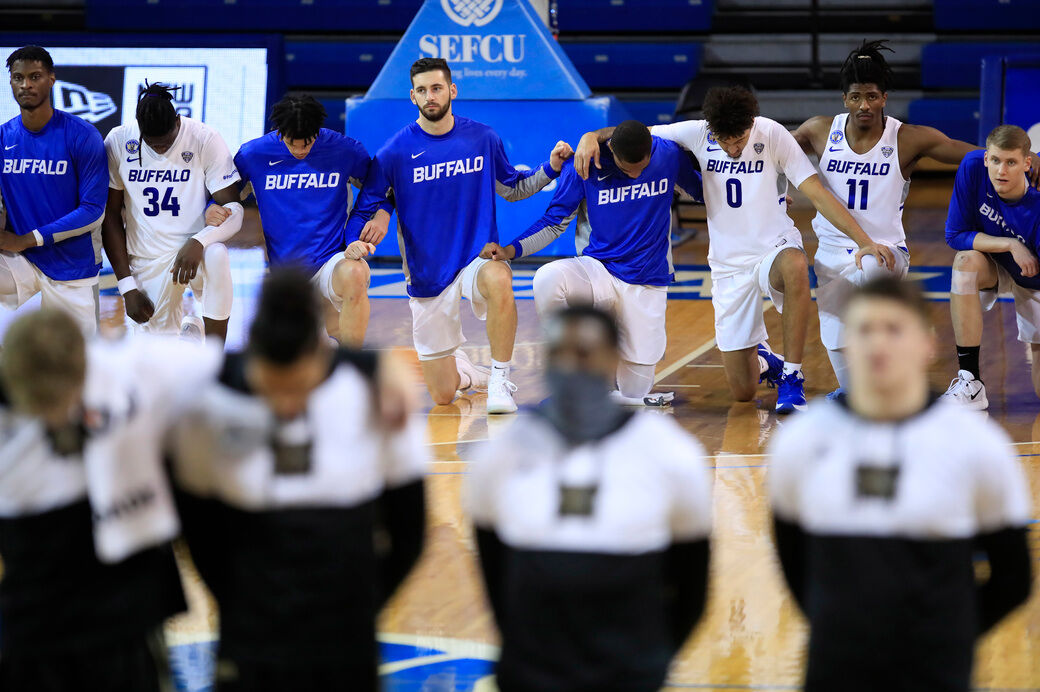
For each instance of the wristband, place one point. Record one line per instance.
(126, 284)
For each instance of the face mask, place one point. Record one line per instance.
(580, 407)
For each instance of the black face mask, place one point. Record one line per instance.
(580, 407)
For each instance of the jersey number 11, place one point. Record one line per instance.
(863, 184)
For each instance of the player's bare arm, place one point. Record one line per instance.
(835, 212)
(189, 257)
(138, 305)
(12, 242)
(812, 135)
(1024, 257)
(359, 249)
(588, 150)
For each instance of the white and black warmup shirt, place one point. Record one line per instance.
(301, 529)
(877, 525)
(594, 557)
(86, 513)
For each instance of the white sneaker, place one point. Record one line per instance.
(651, 399)
(500, 394)
(967, 391)
(478, 376)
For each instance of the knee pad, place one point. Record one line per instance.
(964, 283)
(635, 381)
(218, 293)
(548, 288)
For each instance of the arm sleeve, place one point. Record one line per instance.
(514, 185)
(787, 450)
(961, 222)
(790, 547)
(789, 156)
(220, 169)
(491, 553)
(376, 194)
(564, 206)
(115, 181)
(360, 164)
(402, 511)
(688, 179)
(1011, 575)
(686, 133)
(91, 164)
(686, 586)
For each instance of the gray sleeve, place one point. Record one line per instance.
(523, 187)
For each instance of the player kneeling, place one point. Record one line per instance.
(302, 509)
(592, 524)
(625, 266)
(163, 168)
(994, 224)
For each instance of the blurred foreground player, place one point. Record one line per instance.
(53, 182)
(302, 510)
(85, 509)
(881, 500)
(592, 524)
(994, 224)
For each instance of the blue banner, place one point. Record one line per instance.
(497, 49)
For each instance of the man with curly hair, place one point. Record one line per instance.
(746, 162)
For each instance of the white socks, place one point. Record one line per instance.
(791, 368)
(840, 366)
(635, 381)
(500, 368)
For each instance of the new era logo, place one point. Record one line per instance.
(472, 12)
(92, 106)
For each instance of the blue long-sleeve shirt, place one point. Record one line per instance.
(975, 207)
(55, 182)
(626, 222)
(443, 188)
(304, 203)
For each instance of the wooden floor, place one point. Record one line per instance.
(752, 636)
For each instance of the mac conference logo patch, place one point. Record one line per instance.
(837, 136)
(187, 156)
(472, 12)
(887, 151)
(132, 146)
(759, 147)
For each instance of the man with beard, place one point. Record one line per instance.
(54, 179)
(442, 173)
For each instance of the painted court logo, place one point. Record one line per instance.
(887, 151)
(837, 136)
(472, 12)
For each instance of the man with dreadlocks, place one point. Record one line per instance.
(301, 174)
(163, 169)
(52, 174)
(865, 159)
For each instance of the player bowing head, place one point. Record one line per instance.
(163, 170)
(298, 120)
(994, 224)
(631, 144)
(730, 112)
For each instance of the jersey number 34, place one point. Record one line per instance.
(169, 202)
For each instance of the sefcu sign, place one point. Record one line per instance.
(497, 49)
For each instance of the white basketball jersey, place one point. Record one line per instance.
(745, 197)
(166, 194)
(870, 184)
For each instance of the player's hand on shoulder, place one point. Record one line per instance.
(138, 306)
(880, 251)
(560, 153)
(12, 242)
(587, 151)
(186, 265)
(494, 251)
(1024, 258)
(359, 249)
(216, 215)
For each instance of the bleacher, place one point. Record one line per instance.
(644, 51)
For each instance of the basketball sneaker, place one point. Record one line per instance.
(651, 399)
(478, 376)
(500, 393)
(790, 394)
(192, 329)
(966, 390)
(770, 365)
(836, 394)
